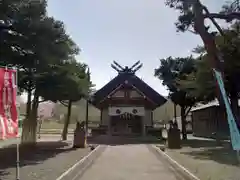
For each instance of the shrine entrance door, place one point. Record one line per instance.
(126, 124)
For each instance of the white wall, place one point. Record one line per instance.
(105, 117)
(147, 118)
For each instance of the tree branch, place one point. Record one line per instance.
(39, 101)
(64, 103)
(42, 101)
(213, 20)
(186, 112)
(228, 17)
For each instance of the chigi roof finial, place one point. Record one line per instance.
(134, 68)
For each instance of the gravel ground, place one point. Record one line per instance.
(207, 160)
(45, 162)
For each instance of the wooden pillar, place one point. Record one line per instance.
(143, 125)
(152, 118)
(86, 118)
(109, 126)
(101, 116)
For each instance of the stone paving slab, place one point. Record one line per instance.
(127, 162)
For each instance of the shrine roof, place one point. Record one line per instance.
(133, 80)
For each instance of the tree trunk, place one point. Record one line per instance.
(67, 121)
(208, 39)
(234, 106)
(28, 105)
(183, 120)
(175, 111)
(30, 124)
(39, 125)
(29, 94)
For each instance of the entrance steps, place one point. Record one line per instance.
(119, 140)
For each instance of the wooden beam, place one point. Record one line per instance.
(134, 65)
(118, 65)
(124, 101)
(137, 68)
(114, 67)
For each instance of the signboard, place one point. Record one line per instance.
(8, 104)
(116, 111)
(234, 131)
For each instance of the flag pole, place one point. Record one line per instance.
(17, 148)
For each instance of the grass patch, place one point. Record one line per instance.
(55, 125)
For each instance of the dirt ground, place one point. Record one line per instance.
(47, 161)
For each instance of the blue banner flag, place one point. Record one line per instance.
(234, 131)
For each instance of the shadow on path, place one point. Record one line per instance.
(3, 173)
(200, 143)
(118, 140)
(220, 155)
(210, 150)
(31, 155)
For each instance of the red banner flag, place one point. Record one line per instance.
(8, 106)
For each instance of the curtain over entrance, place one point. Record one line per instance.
(126, 124)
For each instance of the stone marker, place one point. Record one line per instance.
(79, 140)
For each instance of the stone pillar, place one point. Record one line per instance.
(79, 140)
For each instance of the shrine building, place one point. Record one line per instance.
(127, 103)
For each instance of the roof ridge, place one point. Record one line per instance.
(133, 79)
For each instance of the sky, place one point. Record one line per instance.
(125, 31)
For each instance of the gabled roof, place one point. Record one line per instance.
(132, 80)
(213, 103)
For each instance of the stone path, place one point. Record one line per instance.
(127, 162)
